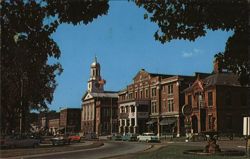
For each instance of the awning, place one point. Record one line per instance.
(151, 122)
(167, 121)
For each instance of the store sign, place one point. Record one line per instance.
(246, 126)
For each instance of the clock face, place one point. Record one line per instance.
(187, 110)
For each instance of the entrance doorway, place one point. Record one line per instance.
(195, 124)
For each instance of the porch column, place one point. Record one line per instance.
(130, 119)
(135, 126)
(178, 126)
(158, 127)
(125, 126)
(120, 125)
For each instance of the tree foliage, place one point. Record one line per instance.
(27, 78)
(190, 19)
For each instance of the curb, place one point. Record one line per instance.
(91, 146)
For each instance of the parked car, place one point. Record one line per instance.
(60, 140)
(148, 137)
(116, 137)
(6, 141)
(75, 137)
(129, 137)
(19, 141)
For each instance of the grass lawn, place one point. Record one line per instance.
(176, 152)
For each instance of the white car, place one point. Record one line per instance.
(148, 137)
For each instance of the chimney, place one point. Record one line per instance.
(217, 68)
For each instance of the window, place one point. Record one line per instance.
(130, 96)
(141, 94)
(210, 98)
(127, 109)
(146, 93)
(164, 105)
(136, 94)
(170, 89)
(190, 100)
(132, 108)
(200, 99)
(170, 105)
(123, 109)
(211, 122)
(153, 107)
(153, 92)
(163, 89)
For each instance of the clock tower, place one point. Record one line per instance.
(95, 83)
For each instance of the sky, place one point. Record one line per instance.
(124, 43)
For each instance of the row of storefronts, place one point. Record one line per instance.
(154, 103)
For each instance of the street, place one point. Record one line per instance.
(107, 150)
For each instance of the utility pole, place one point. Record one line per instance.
(23, 77)
(21, 106)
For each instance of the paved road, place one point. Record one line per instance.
(109, 149)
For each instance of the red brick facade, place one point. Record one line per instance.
(219, 103)
(159, 98)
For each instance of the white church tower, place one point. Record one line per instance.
(95, 83)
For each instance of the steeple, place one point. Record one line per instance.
(95, 83)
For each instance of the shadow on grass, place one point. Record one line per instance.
(176, 152)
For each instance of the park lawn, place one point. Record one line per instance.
(176, 152)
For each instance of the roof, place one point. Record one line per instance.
(223, 78)
(229, 79)
(160, 75)
(108, 94)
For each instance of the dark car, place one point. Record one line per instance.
(19, 141)
(116, 137)
(129, 137)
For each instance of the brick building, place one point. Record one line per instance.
(219, 102)
(153, 103)
(70, 120)
(54, 125)
(99, 107)
(44, 117)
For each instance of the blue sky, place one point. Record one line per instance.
(123, 43)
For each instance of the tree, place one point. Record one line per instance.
(27, 78)
(189, 19)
